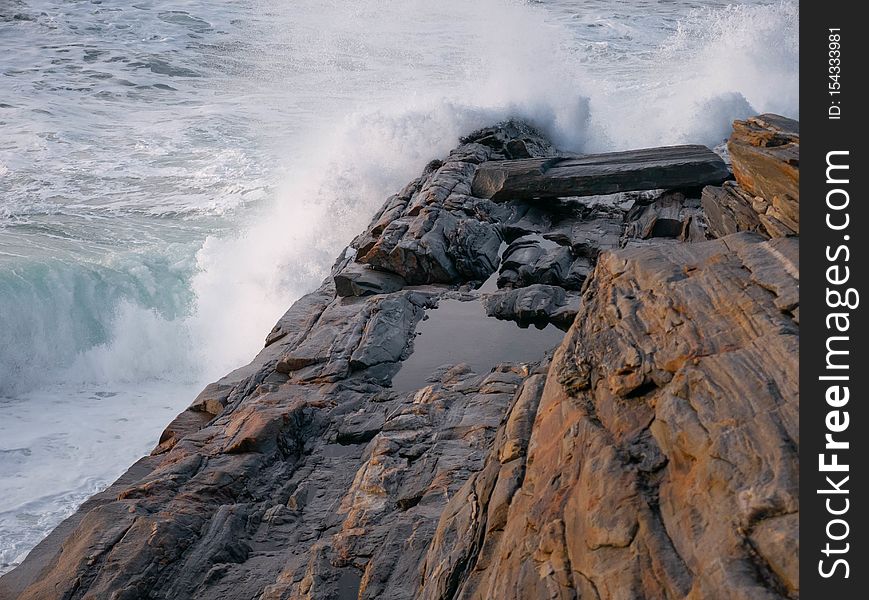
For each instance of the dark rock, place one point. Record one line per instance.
(353, 334)
(360, 428)
(524, 219)
(535, 303)
(387, 333)
(671, 215)
(301, 316)
(212, 399)
(513, 139)
(435, 246)
(593, 234)
(358, 280)
(594, 174)
(189, 421)
(533, 260)
(435, 231)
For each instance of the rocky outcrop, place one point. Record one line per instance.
(765, 156)
(662, 462)
(730, 209)
(433, 231)
(670, 215)
(357, 280)
(594, 174)
(536, 303)
(380, 446)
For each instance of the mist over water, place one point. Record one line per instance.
(174, 174)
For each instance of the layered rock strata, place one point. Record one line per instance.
(652, 455)
(633, 170)
(765, 156)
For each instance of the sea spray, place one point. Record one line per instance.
(155, 224)
(512, 62)
(720, 64)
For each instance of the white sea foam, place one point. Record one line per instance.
(509, 60)
(63, 443)
(719, 65)
(231, 201)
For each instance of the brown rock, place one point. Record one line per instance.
(765, 155)
(729, 209)
(663, 462)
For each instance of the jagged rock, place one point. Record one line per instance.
(434, 231)
(189, 421)
(728, 209)
(388, 331)
(671, 215)
(435, 246)
(592, 234)
(301, 316)
(765, 154)
(532, 260)
(212, 399)
(360, 428)
(357, 280)
(645, 476)
(353, 334)
(524, 219)
(513, 139)
(535, 303)
(472, 523)
(594, 174)
(776, 266)
(765, 157)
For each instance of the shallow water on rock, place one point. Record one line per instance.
(173, 175)
(348, 585)
(460, 332)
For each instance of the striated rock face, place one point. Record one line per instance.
(765, 155)
(646, 169)
(730, 209)
(663, 461)
(434, 231)
(392, 441)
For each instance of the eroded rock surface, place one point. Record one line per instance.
(653, 456)
(765, 156)
(664, 446)
(594, 174)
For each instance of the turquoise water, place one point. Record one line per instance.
(174, 174)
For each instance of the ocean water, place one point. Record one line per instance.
(174, 174)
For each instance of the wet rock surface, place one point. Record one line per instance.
(765, 156)
(594, 174)
(420, 427)
(536, 303)
(664, 442)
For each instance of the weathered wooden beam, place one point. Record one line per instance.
(668, 167)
